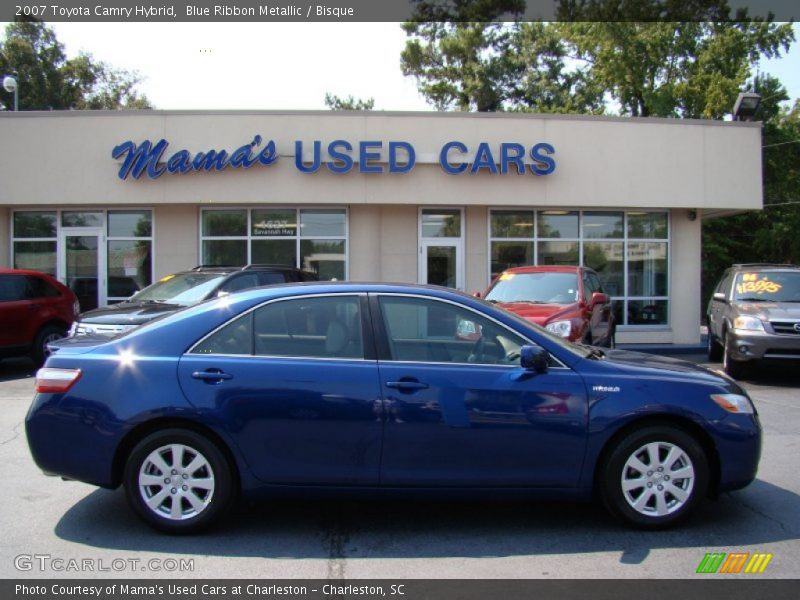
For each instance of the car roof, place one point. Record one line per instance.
(763, 267)
(545, 269)
(4, 271)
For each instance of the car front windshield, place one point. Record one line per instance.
(767, 286)
(183, 288)
(548, 287)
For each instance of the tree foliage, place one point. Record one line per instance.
(676, 69)
(334, 102)
(48, 80)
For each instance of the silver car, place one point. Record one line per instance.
(754, 315)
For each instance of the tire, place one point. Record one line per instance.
(714, 348)
(662, 499)
(198, 506)
(47, 334)
(735, 368)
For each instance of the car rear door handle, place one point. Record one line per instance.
(406, 386)
(211, 375)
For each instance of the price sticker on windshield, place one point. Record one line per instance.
(751, 284)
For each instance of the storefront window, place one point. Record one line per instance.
(628, 249)
(557, 224)
(39, 237)
(34, 244)
(443, 222)
(311, 239)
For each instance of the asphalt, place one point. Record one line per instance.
(45, 516)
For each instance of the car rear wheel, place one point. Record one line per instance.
(46, 335)
(178, 481)
(654, 477)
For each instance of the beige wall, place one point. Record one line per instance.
(175, 237)
(607, 162)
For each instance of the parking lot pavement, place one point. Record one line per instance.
(323, 539)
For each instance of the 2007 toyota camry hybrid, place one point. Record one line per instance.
(381, 387)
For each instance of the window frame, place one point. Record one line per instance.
(298, 238)
(382, 335)
(105, 237)
(367, 338)
(624, 298)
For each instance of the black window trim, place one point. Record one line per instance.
(367, 338)
(382, 337)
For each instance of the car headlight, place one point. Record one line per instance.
(734, 403)
(560, 328)
(748, 324)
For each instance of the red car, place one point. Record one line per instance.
(568, 301)
(35, 309)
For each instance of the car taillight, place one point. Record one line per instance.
(56, 381)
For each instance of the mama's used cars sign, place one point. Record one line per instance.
(340, 156)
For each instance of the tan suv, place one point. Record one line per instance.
(754, 315)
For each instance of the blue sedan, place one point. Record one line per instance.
(382, 388)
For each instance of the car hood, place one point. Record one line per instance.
(768, 311)
(626, 360)
(128, 313)
(539, 313)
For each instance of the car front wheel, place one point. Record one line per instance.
(178, 481)
(654, 477)
(714, 349)
(735, 368)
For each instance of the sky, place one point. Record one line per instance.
(273, 66)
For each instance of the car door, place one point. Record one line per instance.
(460, 411)
(601, 314)
(717, 308)
(17, 313)
(295, 383)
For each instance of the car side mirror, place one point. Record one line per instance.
(599, 298)
(719, 297)
(534, 358)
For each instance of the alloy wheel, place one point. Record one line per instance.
(658, 479)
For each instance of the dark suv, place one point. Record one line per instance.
(179, 290)
(35, 309)
(754, 315)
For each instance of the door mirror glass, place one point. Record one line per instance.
(533, 358)
(719, 296)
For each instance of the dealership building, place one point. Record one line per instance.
(112, 201)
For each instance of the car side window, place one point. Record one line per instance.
(587, 288)
(316, 327)
(429, 330)
(39, 288)
(12, 287)
(240, 282)
(724, 286)
(271, 278)
(234, 338)
(594, 280)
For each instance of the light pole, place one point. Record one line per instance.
(10, 85)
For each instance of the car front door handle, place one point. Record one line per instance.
(406, 386)
(211, 375)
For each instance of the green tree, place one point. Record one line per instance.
(48, 80)
(350, 103)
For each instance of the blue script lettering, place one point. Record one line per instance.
(149, 158)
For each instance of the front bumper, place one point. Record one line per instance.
(759, 345)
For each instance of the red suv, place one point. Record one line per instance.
(35, 309)
(568, 301)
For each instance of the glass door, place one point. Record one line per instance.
(81, 265)
(441, 252)
(441, 264)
